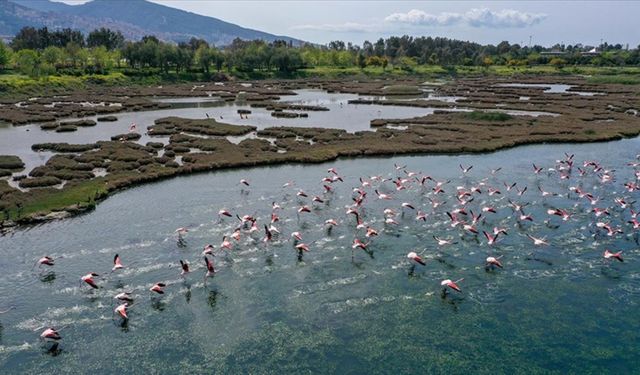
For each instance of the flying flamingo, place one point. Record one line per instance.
(88, 279)
(121, 310)
(226, 244)
(492, 262)
(158, 288)
(609, 255)
(465, 170)
(297, 236)
(382, 195)
(224, 212)
(491, 239)
(124, 296)
(538, 241)
(208, 249)
(46, 261)
(185, 267)
(210, 270)
(50, 335)
(117, 263)
(443, 242)
(451, 284)
(416, 258)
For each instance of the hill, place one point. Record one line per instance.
(134, 18)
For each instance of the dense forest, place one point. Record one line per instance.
(42, 52)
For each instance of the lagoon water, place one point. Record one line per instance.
(554, 309)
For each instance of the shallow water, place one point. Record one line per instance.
(551, 88)
(560, 308)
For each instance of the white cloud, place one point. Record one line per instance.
(348, 27)
(418, 17)
(484, 17)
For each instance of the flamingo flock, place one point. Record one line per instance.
(482, 210)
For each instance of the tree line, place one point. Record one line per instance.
(38, 52)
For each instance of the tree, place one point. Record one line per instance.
(53, 56)
(204, 57)
(108, 38)
(5, 55)
(28, 62)
(286, 59)
(73, 52)
(102, 61)
(61, 38)
(27, 38)
(361, 61)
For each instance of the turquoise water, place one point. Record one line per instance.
(555, 309)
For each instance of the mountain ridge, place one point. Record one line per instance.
(134, 18)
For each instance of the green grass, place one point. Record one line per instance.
(615, 79)
(84, 194)
(488, 116)
(12, 84)
(16, 84)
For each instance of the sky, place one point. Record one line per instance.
(545, 22)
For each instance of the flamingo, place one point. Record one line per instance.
(331, 222)
(609, 255)
(382, 195)
(443, 242)
(124, 296)
(491, 239)
(297, 236)
(536, 170)
(208, 249)
(558, 212)
(210, 270)
(371, 232)
(185, 267)
(117, 264)
(509, 187)
(226, 244)
(244, 182)
(451, 284)
(50, 335)
(302, 247)
(122, 310)
(538, 241)
(407, 205)
(465, 170)
(46, 261)
(88, 279)
(359, 244)
(416, 258)
(158, 288)
(493, 262)
(268, 234)
(224, 212)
